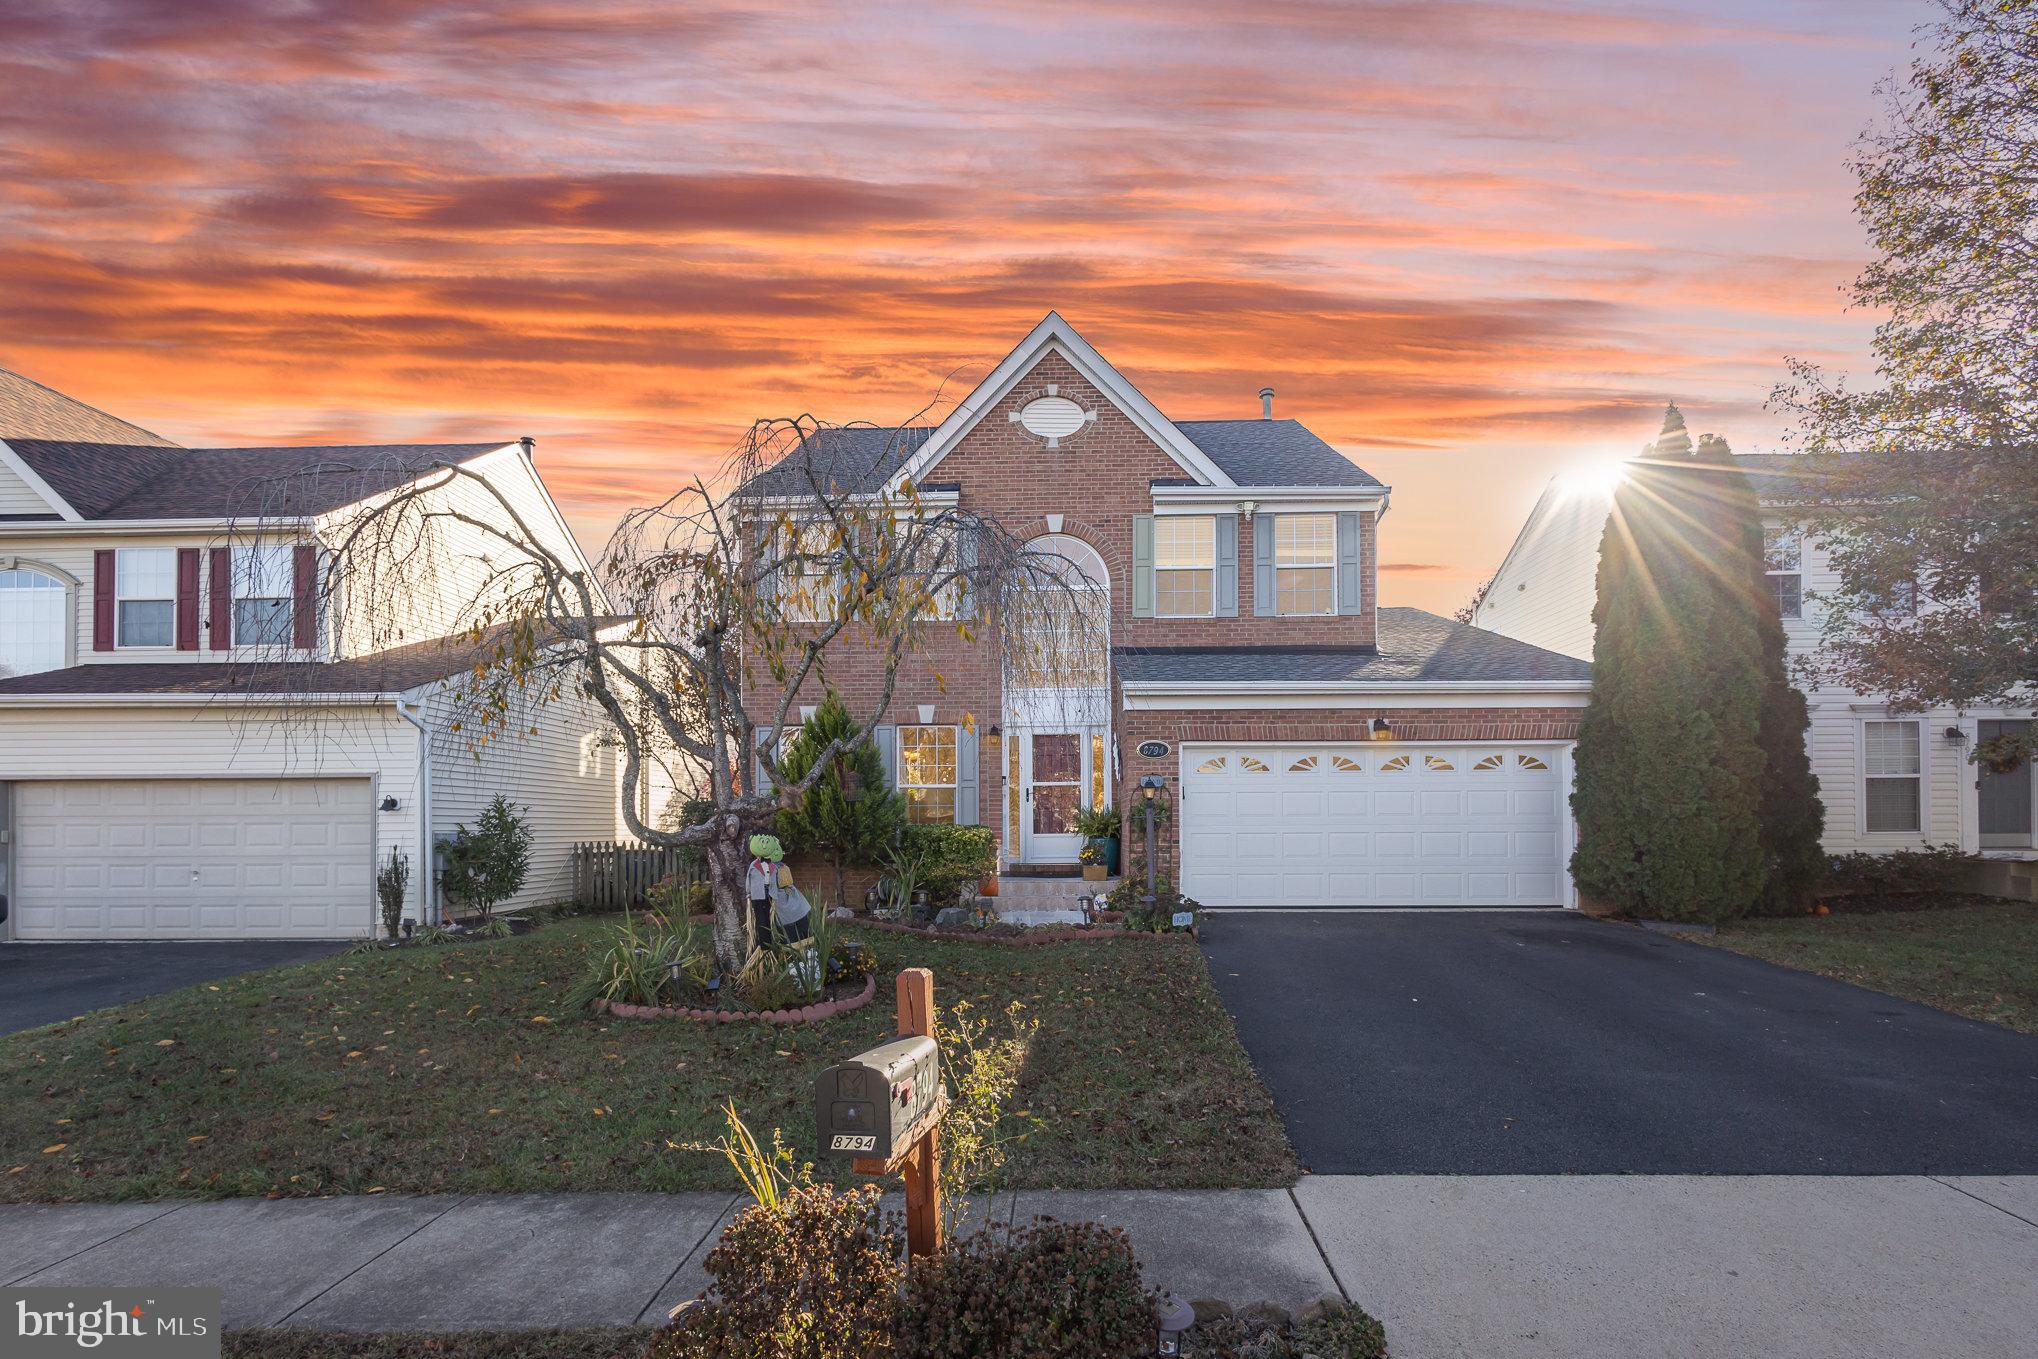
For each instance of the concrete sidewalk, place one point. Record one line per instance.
(1495, 1267)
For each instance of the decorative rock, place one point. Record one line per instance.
(1209, 1309)
(950, 915)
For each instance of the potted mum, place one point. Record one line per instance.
(1099, 828)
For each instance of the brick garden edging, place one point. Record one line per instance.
(806, 1014)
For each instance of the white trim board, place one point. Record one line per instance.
(18, 465)
(1154, 695)
(1055, 335)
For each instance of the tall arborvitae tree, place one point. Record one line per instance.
(828, 819)
(1791, 816)
(1669, 760)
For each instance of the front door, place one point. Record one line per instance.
(2005, 797)
(1052, 775)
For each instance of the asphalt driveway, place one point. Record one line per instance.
(43, 983)
(1490, 1043)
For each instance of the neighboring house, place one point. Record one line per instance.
(1889, 780)
(190, 746)
(1318, 749)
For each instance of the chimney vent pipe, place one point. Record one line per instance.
(1266, 403)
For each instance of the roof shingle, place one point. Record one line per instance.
(30, 410)
(1414, 647)
(144, 481)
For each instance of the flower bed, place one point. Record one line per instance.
(805, 1014)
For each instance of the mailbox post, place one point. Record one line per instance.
(883, 1108)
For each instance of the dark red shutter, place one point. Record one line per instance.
(187, 599)
(102, 601)
(304, 610)
(222, 600)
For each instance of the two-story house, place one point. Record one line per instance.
(196, 739)
(1889, 779)
(1314, 747)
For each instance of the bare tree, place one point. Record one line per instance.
(713, 613)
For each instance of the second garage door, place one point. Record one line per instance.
(1378, 824)
(192, 859)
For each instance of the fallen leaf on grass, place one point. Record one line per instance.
(540, 1019)
(199, 1138)
(54, 1148)
(166, 1042)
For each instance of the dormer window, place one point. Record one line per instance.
(264, 592)
(145, 608)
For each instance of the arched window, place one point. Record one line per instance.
(34, 620)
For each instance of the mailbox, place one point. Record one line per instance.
(870, 1104)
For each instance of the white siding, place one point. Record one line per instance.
(442, 588)
(564, 775)
(1544, 592)
(18, 497)
(223, 741)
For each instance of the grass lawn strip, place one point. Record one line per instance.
(457, 1070)
(1978, 960)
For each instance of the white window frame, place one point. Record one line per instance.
(1777, 575)
(66, 587)
(125, 573)
(809, 584)
(252, 565)
(1161, 525)
(908, 786)
(1328, 566)
(1917, 726)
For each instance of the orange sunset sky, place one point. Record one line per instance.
(1471, 244)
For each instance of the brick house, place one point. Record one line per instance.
(1314, 747)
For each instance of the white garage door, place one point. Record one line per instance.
(192, 859)
(1382, 824)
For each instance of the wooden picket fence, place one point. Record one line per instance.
(608, 876)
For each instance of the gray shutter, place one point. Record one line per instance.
(1142, 566)
(1263, 565)
(886, 739)
(761, 779)
(1348, 596)
(965, 777)
(1227, 566)
(966, 562)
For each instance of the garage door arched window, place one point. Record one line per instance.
(35, 620)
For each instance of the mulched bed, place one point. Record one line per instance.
(837, 998)
(1009, 934)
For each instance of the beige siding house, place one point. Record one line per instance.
(1889, 780)
(196, 741)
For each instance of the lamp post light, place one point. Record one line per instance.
(1173, 1317)
(1150, 786)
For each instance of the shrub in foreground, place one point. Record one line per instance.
(1053, 1290)
(1935, 868)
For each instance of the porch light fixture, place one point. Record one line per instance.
(389, 804)
(1381, 730)
(1955, 735)
(995, 738)
(1151, 784)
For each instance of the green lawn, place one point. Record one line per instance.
(1978, 960)
(456, 1069)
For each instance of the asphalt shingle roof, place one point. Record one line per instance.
(1789, 476)
(382, 672)
(145, 481)
(859, 459)
(32, 411)
(1273, 453)
(1414, 646)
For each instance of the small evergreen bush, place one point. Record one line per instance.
(392, 880)
(1052, 1290)
(950, 858)
(1935, 868)
(827, 821)
(488, 864)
